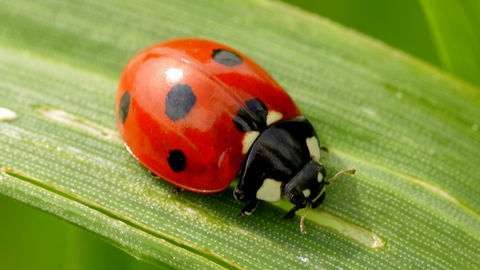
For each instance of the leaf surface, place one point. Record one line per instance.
(410, 130)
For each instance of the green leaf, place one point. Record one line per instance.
(409, 130)
(456, 29)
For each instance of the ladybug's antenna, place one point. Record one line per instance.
(351, 171)
(302, 225)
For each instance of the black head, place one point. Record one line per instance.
(307, 186)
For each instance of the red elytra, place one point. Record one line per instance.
(201, 128)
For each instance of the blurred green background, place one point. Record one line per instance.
(399, 23)
(34, 240)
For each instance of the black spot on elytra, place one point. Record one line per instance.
(177, 160)
(252, 118)
(124, 107)
(180, 101)
(226, 58)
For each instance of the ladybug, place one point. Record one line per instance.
(196, 113)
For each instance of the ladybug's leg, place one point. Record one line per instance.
(176, 191)
(306, 186)
(291, 213)
(249, 208)
(219, 193)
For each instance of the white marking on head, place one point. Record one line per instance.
(306, 193)
(313, 147)
(320, 177)
(273, 116)
(270, 191)
(248, 139)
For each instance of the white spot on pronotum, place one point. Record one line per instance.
(306, 193)
(6, 114)
(273, 116)
(248, 139)
(313, 147)
(320, 177)
(270, 191)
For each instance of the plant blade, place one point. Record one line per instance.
(410, 131)
(455, 26)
